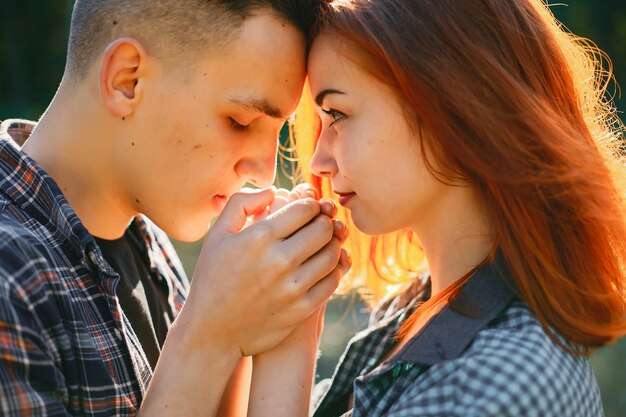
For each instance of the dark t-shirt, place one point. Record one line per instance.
(142, 298)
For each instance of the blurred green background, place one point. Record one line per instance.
(33, 41)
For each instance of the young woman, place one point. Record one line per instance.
(481, 127)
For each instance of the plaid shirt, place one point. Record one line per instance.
(497, 362)
(66, 347)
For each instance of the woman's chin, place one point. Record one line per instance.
(368, 226)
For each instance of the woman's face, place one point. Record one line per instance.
(367, 148)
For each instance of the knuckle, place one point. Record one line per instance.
(308, 205)
(282, 263)
(260, 232)
(291, 292)
(304, 308)
(325, 223)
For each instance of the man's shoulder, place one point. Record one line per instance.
(22, 261)
(15, 235)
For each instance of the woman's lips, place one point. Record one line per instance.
(344, 198)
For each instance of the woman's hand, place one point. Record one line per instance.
(283, 376)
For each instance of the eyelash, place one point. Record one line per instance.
(236, 125)
(335, 115)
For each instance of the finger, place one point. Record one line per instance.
(239, 207)
(292, 217)
(293, 196)
(279, 202)
(345, 261)
(282, 192)
(306, 190)
(322, 290)
(308, 240)
(318, 266)
(328, 207)
(340, 230)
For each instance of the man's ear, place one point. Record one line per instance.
(121, 76)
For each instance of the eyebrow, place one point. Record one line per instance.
(259, 105)
(319, 98)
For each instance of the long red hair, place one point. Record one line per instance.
(515, 106)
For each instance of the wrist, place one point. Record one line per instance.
(192, 340)
(190, 376)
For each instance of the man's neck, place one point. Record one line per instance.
(68, 143)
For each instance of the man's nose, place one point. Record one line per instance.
(258, 167)
(262, 173)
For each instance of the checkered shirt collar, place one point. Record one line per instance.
(24, 182)
(448, 334)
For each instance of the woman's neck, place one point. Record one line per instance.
(456, 236)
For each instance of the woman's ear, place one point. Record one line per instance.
(121, 76)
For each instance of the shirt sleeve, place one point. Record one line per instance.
(30, 382)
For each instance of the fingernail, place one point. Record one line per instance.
(311, 193)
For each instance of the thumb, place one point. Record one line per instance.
(239, 207)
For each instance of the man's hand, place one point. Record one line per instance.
(253, 286)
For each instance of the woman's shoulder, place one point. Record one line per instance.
(514, 367)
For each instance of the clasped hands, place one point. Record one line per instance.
(268, 264)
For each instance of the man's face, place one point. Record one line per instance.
(198, 139)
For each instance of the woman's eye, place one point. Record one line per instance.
(236, 125)
(334, 115)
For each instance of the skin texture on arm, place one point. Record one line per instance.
(235, 399)
(283, 377)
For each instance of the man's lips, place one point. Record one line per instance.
(344, 197)
(220, 200)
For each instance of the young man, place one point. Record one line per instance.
(166, 108)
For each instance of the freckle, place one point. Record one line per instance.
(132, 143)
(211, 156)
(179, 141)
(205, 74)
(197, 146)
(114, 22)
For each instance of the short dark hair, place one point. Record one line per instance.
(170, 28)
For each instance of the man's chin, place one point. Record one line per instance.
(191, 231)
